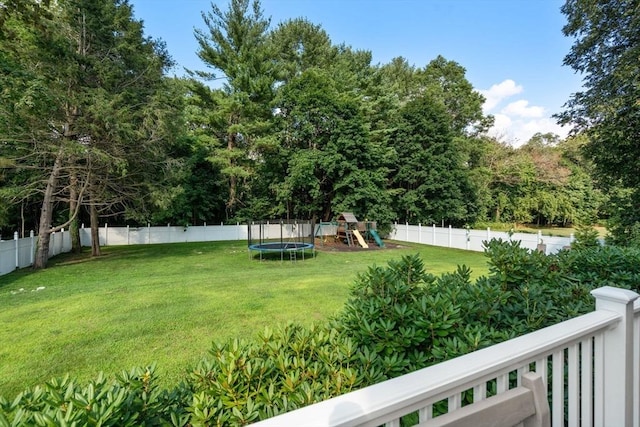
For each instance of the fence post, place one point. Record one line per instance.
(148, 233)
(128, 240)
(419, 233)
(15, 239)
(106, 235)
(406, 225)
(488, 234)
(617, 360)
(449, 235)
(468, 238)
(434, 235)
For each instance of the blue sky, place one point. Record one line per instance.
(512, 49)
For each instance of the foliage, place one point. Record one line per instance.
(285, 123)
(605, 51)
(331, 164)
(390, 311)
(132, 399)
(281, 370)
(595, 266)
(430, 180)
(87, 113)
(235, 45)
(585, 237)
(397, 319)
(624, 221)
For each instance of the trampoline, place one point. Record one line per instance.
(295, 238)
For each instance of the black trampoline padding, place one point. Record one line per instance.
(280, 246)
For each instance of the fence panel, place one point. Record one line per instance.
(7, 256)
(473, 240)
(26, 251)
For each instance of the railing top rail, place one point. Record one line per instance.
(380, 402)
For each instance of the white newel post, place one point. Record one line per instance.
(617, 363)
(16, 241)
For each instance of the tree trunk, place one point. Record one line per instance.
(74, 229)
(46, 215)
(95, 237)
(232, 178)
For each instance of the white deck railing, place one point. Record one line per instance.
(591, 364)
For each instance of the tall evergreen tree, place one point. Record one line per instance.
(235, 47)
(88, 107)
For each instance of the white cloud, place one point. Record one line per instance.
(517, 131)
(518, 121)
(496, 93)
(521, 108)
(502, 121)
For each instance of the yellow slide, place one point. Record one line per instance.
(360, 239)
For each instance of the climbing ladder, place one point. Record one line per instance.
(349, 234)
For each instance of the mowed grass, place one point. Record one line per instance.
(168, 303)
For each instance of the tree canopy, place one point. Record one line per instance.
(283, 123)
(605, 51)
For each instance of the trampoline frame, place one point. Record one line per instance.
(295, 242)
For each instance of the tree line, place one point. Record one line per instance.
(93, 128)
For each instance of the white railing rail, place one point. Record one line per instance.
(587, 361)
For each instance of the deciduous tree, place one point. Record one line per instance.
(605, 51)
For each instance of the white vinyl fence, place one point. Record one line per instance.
(19, 253)
(471, 240)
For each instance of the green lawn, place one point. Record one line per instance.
(167, 303)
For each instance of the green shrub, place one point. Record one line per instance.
(132, 399)
(281, 370)
(597, 266)
(413, 319)
(585, 237)
(397, 319)
(540, 290)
